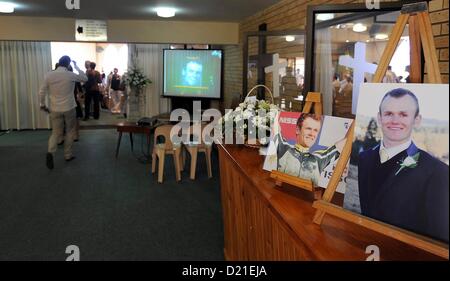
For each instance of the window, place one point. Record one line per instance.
(343, 36)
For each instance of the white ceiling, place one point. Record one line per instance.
(188, 10)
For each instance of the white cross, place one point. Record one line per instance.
(360, 67)
(274, 68)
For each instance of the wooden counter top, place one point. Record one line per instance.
(292, 210)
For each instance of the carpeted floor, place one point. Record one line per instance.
(111, 209)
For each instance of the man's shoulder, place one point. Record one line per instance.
(288, 155)
(49, 74)
(431, 162)
(365, 154)
(57, 74)
(325, 151)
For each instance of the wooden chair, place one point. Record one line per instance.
(194, 148)
(161, 149)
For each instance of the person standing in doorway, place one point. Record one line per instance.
(115, 92)
(92, 92)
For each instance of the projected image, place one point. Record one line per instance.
(192, 73)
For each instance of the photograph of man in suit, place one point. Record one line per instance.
(399, 183)
(298, 160)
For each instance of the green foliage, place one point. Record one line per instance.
(135, 78)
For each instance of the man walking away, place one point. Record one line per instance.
(59, 85)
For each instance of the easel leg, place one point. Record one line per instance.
(131, 141)
(317, 193)
(118, 144)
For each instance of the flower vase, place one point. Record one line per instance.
(142, 104)
(136, 105)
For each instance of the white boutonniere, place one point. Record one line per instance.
(409, 162)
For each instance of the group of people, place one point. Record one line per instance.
(64, 88)
(101, 95)
(345, 86)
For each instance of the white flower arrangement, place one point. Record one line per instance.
(251, 118)
(135, 79)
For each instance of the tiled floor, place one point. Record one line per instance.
(106, 119)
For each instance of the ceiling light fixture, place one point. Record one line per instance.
(323, 17)
(290, 38)
(165, 12)
(359, 27)
(6, 7)
(381, 36)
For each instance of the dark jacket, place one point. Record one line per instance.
(415, 199)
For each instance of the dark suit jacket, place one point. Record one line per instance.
(415, 199)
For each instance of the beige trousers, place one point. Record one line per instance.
(115, 96)
(58, 119)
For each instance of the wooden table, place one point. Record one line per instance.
(129, 127)
(265, 222)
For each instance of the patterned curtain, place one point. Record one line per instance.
(149, 58)
(23, 66)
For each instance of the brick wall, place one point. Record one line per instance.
(291, 14)
(232, 73)
(439, 20)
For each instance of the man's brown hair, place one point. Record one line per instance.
(303, 117)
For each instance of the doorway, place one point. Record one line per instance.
(107, 57)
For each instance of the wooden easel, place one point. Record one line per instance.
(313, 100)
(418, 17)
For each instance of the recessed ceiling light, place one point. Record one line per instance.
(165, 12)
(6, 7)
(381, 36)
(290, 38)
(347, 41)
(368, 40)
(323, 17)
(359, 27)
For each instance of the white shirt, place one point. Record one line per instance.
(388, 153)
(60, 85)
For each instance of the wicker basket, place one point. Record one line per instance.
(257, 86)
(257, 145)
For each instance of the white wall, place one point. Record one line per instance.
(79, 52)
(106, 56)
(123, 31)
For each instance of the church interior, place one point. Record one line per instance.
(112, 183)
